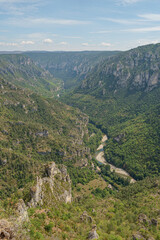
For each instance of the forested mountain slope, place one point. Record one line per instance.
(22, 71)
(35, 131)
(71, 67)
(122, 96)
(50, 185)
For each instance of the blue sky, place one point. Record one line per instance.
(78, 24)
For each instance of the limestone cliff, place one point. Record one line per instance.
(54, 188)
(137, 69)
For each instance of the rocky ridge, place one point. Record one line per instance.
(137, 69)
(53, 189)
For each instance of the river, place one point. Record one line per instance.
(100, 158)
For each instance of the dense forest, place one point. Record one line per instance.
(126, 108)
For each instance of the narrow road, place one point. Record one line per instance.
(100, 158)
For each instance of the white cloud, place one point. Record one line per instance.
(142, 30)
(27, 42)
(125, 21)
(19, 7)
(48, 40)
(101, 32)
(150, 17)
(31, 22)
(85, 44)
(145, 42)
(58, 21)
(121, 21)
(124, 2)
(63, 43)
(8, 44)
(72, 37)
(105, 44)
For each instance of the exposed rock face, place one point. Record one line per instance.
(22, 212)
(137, 69)
(6, 230)
(85, 217)
(42, 134)
(119, 137)
(22, 71)
(110, 186)
(93, 234)
(144, 219)
(69, 66)
(138, 236)
(52, 189)
(154, 222)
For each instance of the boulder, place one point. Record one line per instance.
(6, 230)
(42, 133)
(144, 219)
(93, 234)
(119, 137)
(98, 170)
(154, 222)
(110, 186)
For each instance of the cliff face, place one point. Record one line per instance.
(71, 67)
(23, 72)
(53, 189)
(137, 69)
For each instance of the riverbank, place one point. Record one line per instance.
(100, 158)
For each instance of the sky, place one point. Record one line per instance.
(78, 25)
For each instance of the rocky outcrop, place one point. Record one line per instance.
(144, 219)
(22, 71)
(22, 211)
(137, 69)
(154, 222)
(86, 218)
(42, 133)
(138, 236)
(110, 186)
(12, 228)
(119, 137)
(93, 234)
(6, 230)
(54, 188)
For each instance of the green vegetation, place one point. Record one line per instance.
(126, 107)
(136, 118)
(34, 132)
(70, 67)
(22, 71)
(116, 215)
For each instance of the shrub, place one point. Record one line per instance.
(49, 227)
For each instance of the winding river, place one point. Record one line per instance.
(100, 158)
